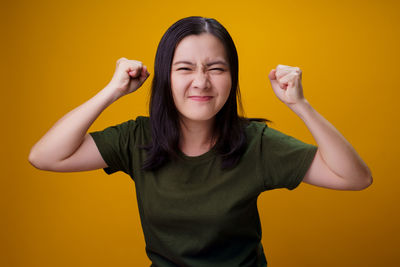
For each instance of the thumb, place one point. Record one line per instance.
(272, 75)
(273, 80)
(144, 75)
(134, 73)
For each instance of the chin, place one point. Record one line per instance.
(199, 117)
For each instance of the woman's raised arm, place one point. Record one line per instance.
(67, 147)
(336, 164)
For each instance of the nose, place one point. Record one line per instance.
(201, 80)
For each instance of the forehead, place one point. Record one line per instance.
(200, 47)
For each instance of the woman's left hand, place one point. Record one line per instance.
(286, 83)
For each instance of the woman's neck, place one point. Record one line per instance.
(196, 137)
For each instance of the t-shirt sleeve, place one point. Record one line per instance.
(285, 159)
(115, 144)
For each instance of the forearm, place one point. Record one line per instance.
(67, 134)
(337, 152)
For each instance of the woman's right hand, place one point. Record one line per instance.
(129, 75)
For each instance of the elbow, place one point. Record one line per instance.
(364, 185)
(35, 161)
(43, 162)
(367, 181)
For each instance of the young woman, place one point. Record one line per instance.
(198, 167)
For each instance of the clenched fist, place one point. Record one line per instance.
(286, 83)
(129, 75)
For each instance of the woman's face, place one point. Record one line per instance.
(200, 77)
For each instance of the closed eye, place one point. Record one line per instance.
(213, 69)
(217, 70)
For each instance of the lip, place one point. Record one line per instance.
(200, 98)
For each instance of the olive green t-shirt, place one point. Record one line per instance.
(192, 212)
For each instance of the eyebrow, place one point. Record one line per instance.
(208, 64)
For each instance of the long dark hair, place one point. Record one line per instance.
(164, 117)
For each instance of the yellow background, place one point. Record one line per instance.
(58, 54)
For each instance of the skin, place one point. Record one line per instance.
(200, 83)
(336, 164)
(67, 147)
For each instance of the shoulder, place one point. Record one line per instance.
(132, 124)
(254, 125)
(128, 129)
(139, 122)
(257, 131)
(143, 121)
(140, 126)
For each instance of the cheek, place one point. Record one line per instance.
(177, 85)
(176, 96)
(178, 92)
(225, 85)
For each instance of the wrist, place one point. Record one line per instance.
(301, 108)
(111, 93)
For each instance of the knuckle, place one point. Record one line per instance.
(120, 60)
(137, 64)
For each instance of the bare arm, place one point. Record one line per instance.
(67, 134)
(67, 147)
(336, 164)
